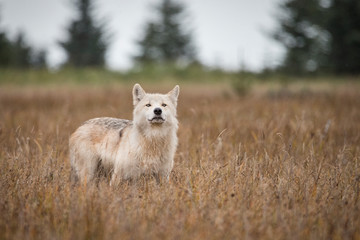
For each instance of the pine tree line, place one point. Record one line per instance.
(87, 39)
(17, 53)
(318, 35)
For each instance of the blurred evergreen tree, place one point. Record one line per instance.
(344, 28)
(166, 40)
(38, 59)
(301, 34)
(320, 35)
(21, 52)
(5, 50)
(87, 39)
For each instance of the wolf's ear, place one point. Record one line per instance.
(174, 94)
(138, 93)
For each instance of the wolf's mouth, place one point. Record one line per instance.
(157, 120)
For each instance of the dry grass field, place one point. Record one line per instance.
(268, 165)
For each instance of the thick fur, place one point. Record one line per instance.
(129, 149)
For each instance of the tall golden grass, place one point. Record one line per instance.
(279, 165)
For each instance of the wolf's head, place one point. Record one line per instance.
(155, 111)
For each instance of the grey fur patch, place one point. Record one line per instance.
(110, 123)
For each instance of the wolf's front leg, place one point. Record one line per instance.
(162, 177)
(115, 178)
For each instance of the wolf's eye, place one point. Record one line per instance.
(148, 105)
(164, 105)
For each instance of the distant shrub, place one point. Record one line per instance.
(243, 83)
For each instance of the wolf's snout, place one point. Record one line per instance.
(157, 111)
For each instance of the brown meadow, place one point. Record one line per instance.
(269, 165)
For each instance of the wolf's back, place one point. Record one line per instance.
(109, 123)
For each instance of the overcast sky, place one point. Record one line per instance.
(227, 33)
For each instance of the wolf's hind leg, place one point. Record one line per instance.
(85, 164)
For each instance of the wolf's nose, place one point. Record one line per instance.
(157, 111)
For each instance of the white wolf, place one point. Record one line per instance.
(129, 149)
